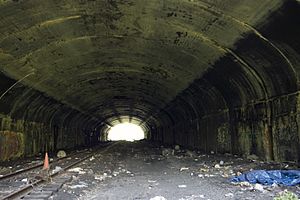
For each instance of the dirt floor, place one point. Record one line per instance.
(141, 170)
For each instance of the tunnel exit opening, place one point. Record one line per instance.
(126, 131)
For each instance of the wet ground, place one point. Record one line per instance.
(145, 171)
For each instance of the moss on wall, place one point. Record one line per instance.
(19, 138)
(11, 145)
(271, 134)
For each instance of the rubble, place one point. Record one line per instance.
(56, 169)
(182, 186)
(200, 175)
(190, 153)
(229, 195)
(77, 169)
(115, 173)
(167, 152)
(77, 186)
(208, 171)
(92, 158)
(193, 197)
(183, 169)
(158, 198)
(259, 187)
(217, 166)
(61, 154)
(100, 177)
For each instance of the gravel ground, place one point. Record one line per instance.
(141, 170)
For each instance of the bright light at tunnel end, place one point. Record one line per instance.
(125, 131)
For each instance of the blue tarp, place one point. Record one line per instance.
(268, 177)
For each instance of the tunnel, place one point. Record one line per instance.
(212, 85)
(210, 75)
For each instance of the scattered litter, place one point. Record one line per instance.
(265, 177)
(115, 173)
(221, 162)
(167, 152)
(259, 187)
(78, 170)
(217, 166)
(190, 153)
(287, 166)
(24, 180)
(19, 170)
(245, 184)
(225, 175)
(177, 147)
(57, 169)
(92, 158)
(230, 195)
(77, 186)
(212, 152)
(238, 173)
(75, 178)
(158, 198)
(1, 175)
(184, 168)
(100, 177)
(204, 170)
(182, 186)
(151, 181)
(200, 176)
(192, 197)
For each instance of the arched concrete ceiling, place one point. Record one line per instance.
(112, 58)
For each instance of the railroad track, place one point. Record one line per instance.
(19, 184)
(34, 166)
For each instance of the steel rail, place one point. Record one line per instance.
(26, 189)
(12, 174)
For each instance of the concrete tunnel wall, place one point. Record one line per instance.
(33, 123)
(208, 75)
(247, 102)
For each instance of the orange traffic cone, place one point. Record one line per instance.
(46, 162)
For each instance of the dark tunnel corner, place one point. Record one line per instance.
(32, 123)
(248, 101)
